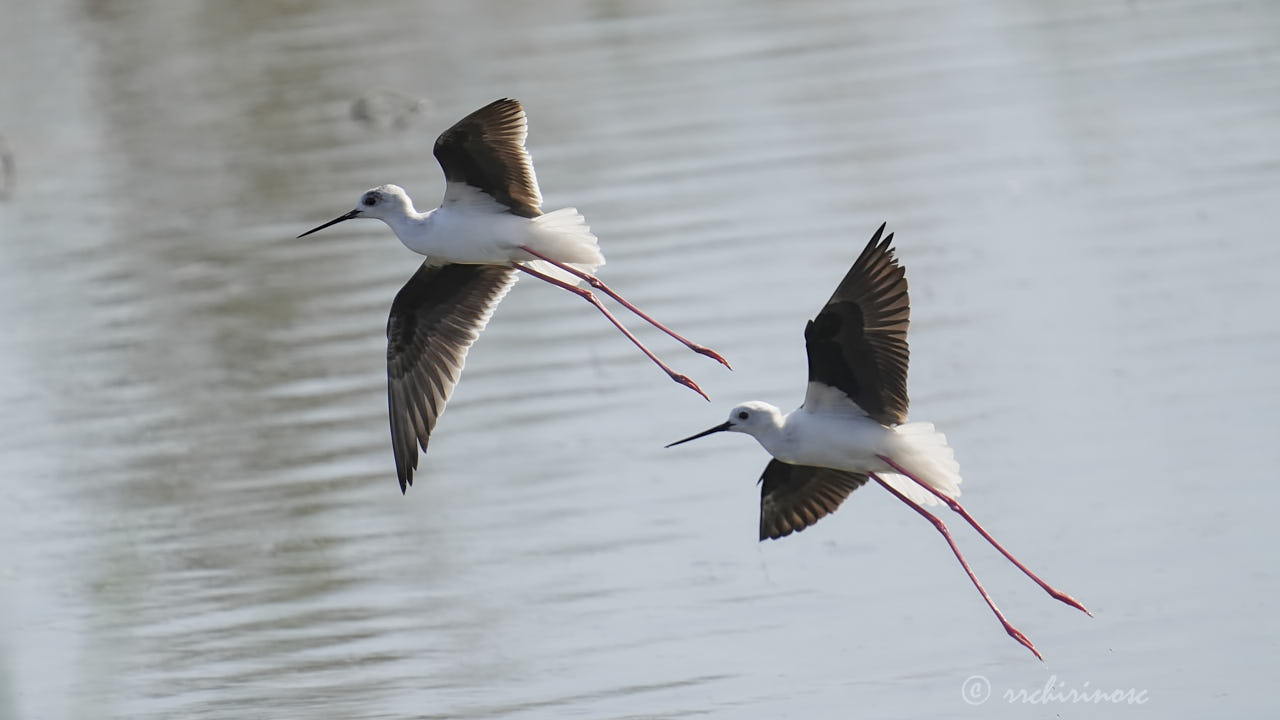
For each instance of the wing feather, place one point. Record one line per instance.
(793, 497)
(858, 343)
(434, 320)
(486, 151)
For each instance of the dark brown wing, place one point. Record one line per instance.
(434, 319)
(486, 151)
(858, 343)
(793, 497)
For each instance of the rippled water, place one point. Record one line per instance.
(199, 514)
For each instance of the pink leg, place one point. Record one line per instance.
(1014, 632)
(956, 506)
(598, 284)
(591, 298)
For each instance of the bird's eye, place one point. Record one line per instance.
(370, 200)
(743, 415)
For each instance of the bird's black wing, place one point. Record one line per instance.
(793, 497)
(858, 343)
(434, 319)
(485, 150)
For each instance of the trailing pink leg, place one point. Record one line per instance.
(597, 283)
(591, 298)
(956, 506)
(1014, 632)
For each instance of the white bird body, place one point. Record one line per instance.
(471, 228)
(852, 442)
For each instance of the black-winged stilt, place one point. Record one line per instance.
(488, 226)
(853, 423)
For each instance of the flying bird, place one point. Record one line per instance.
(489, 227)
(853, 423)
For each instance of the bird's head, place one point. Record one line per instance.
(753, 418)
(385, 202)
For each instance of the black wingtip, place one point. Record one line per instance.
(505, 104)
(879, 241)
(875, 239)
(880, 231)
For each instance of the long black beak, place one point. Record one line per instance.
(719, 428)
(335, 221)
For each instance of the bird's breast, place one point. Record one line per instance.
(839, 441)
(466, 234)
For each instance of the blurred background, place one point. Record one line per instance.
(199, 515)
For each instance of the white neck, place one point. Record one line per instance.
(772, 435)
(409, 226)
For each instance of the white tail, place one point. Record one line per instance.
(923, 451)
(565, 236)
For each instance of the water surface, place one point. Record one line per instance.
(200, 516)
